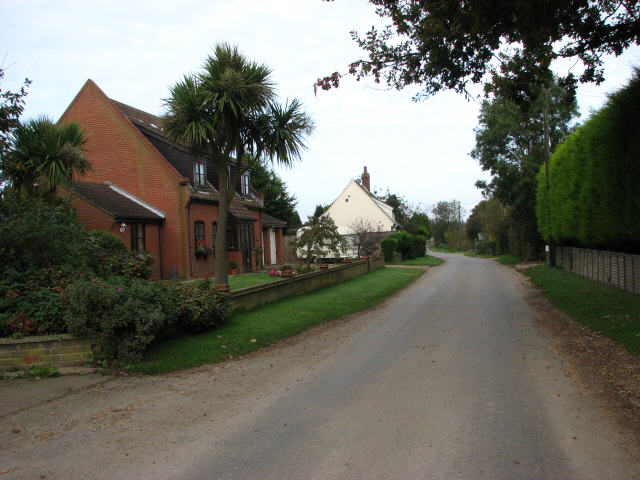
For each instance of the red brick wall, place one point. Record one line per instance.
(207, 213)
(119, 153)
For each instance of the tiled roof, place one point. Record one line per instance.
(182, 159)
(269, 221)
(116, 202)
(140, 118)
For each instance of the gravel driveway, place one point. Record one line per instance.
(450, 378)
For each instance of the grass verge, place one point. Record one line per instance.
(477, 255)
(509, 259)
(249, 331)
(606, 310)
(427, 260)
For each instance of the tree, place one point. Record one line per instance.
(366, 236)
(446, 214)
(228, 112)
(319, 239)
(449, 44)
(320, 209)
(510, 144)
(401, 210)
(418, 223)
(294, 219)
(11, 107)
(277, 201)
(44, 155)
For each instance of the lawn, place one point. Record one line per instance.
(248, 331)
(236, 282)
(509, 259)
(607, 310)
(427, 260)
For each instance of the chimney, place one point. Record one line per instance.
(365, 180)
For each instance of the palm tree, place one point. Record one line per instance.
(228, 112)
(45, 155)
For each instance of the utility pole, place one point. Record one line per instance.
(460, 224)
(547, 161)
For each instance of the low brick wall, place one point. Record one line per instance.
(56, 350)
(252, 297)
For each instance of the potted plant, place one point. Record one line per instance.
(202, 250)
(233, 267)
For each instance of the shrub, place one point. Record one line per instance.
(36, 233)
(128, 314)
(485, 247)
(201, 308)
(105, 243)
(406, 246)
(419, 245)
(388, 246)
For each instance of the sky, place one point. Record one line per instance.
(135, 50)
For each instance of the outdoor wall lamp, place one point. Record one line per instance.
(123, 227)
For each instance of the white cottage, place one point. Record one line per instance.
(356, 204)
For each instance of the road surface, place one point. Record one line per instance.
(448, 379)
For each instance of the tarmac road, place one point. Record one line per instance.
(448, 379)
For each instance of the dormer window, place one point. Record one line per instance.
(200, 174)
(244, 183)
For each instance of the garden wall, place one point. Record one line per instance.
(252, 297)
(55, 350)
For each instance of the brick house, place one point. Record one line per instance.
(161, 197)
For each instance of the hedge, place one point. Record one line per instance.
(595, 179)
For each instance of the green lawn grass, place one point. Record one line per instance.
(607, 310)
(248, 331)
(509, 259)
(473, 254)
(427, 260)
(244, 280)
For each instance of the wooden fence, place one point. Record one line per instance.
(619, 270)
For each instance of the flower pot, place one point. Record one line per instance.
(233, 271)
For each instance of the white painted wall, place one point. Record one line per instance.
(354, 203)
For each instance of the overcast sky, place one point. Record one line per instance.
(135, 50)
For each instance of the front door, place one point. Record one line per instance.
(272, 246)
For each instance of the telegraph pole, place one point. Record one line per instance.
(547, 161)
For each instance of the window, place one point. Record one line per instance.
(246, 236)
(137, 237)
(231, 237)
(215, 232)
(198, 233)
(200, 173)
(244, 183)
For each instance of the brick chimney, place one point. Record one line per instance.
(366, 183)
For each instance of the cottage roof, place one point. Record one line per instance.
(118, 203)
(269, 221)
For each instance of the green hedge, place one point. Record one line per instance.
(595, 179)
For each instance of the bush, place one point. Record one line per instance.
(388, 246)
(36, 233)
(128, 314)
(201, 308)
(485, 247)
(406, 246)
(419, 245)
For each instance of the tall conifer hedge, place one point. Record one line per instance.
(595, 179)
